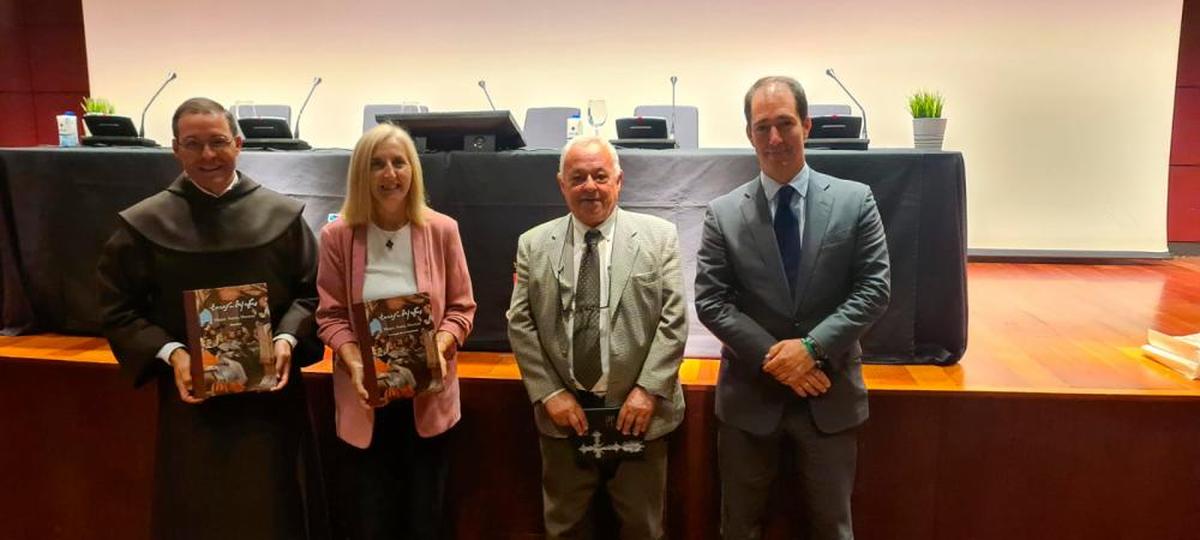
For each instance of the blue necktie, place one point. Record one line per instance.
(787, 234)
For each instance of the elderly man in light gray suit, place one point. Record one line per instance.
(598, 318)
(792, 270)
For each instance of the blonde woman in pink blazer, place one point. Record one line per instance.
(392, 468)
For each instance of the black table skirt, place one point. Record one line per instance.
(58, 207)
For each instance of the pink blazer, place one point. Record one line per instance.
(441, 270)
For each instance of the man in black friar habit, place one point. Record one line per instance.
(234, 466)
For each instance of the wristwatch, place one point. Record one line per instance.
(815, 350)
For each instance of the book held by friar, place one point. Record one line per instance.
(229, 339)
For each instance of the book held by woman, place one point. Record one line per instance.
(396, 338)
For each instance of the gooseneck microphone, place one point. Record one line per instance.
(483, 85)
(142, 124)
(316, 81)
(674, 80)
(829, 71)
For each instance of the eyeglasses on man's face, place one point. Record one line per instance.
(196, 146)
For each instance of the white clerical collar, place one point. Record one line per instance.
(217, 195)
(798, 182)
(606, 227)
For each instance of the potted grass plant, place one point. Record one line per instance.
(96, 110)
(102, 106)
(929, 128)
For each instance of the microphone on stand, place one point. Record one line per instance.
(142, 124)
(316, 81)
(483, 85)
(674, 80)
(829, 72)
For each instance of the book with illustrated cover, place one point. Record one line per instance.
(229, 339)
(603, 442)
(1180, 353)
(395, 336)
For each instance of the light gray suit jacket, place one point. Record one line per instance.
(742, 296)
(647, 324)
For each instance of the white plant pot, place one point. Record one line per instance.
(928, 133)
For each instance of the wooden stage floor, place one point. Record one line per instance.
(1070, 329)
(1052, 417)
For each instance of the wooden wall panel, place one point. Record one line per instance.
(14, 57)
(42, 12)
(78, 451)
(18, 128)
(58, 58)
(1183, 207)
(1185, 139)
(1183, 198)
(43, 58)
(1189, 46)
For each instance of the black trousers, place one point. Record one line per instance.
(395, 488)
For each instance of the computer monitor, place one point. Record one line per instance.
(642, 127)
(475, 131)
(647, 132)
(109, 130)
(103, 125)
(836, 127)
(265, 128)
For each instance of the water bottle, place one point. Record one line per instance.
(68, 130)
(573, 124)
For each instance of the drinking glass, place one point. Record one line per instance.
(597, 114)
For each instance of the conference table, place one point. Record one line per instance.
(59, 205)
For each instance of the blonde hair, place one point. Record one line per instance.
(359, 207)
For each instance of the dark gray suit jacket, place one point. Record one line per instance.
(647, 316)
(743, 298)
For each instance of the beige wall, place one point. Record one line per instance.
(1062, 109)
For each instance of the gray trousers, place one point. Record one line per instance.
(635, 486)
(824, 474)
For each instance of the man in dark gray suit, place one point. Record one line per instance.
(597, 320)
(792, 270)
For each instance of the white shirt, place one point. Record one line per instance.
(799, 183)
(217, 195)
(604, 256)
(389, 272)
